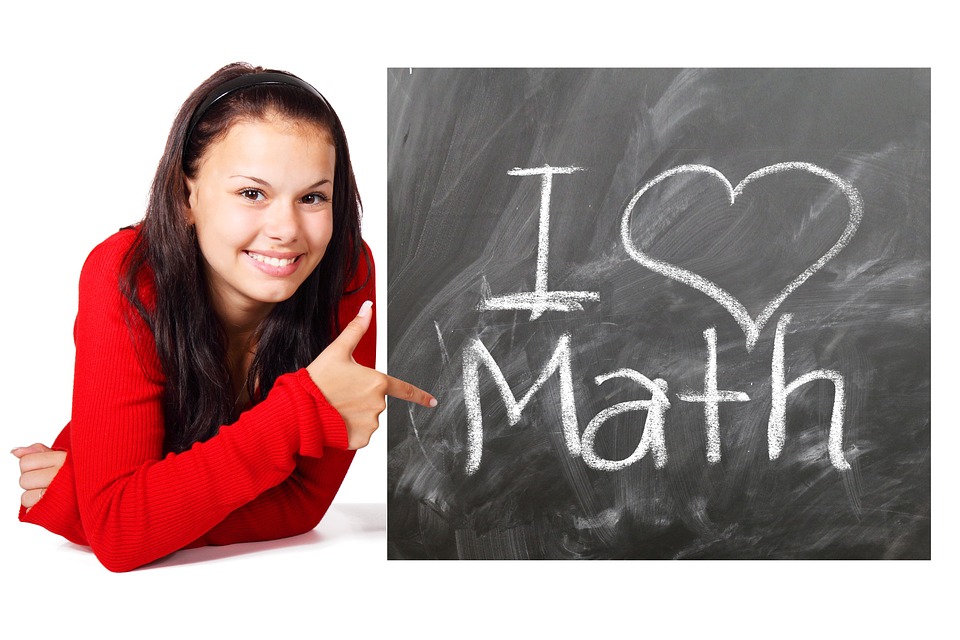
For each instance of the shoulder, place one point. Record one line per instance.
(109, 328)
(362, 286)
(363, 278)
(107, 258)
(105, 268)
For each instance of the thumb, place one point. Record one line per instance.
(34, 448)
(350, 337)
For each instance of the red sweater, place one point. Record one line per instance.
(271, 474)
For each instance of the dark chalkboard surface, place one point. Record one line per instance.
(668, 313)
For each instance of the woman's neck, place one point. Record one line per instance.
(241, 348)
(240, 320)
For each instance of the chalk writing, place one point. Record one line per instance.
(476, 355)
(751, 328)
(776, 429)
(711, 397)
(652, 438)
(540, 299)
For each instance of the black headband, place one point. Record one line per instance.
(242, 82)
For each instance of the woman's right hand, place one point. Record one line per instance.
(359, 393)
(38, 466)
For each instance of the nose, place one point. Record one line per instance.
(281, 222)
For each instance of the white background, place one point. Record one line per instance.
(88, 94)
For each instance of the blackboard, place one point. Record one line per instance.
(668, 313)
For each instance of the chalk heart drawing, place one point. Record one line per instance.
(751, 327)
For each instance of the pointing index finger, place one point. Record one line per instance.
(397, 388)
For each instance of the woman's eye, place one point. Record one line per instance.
(252, 194)
(315, 198)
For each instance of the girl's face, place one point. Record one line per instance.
(262, 205)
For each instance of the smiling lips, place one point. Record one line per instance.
(275, 265)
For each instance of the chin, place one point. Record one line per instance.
(274, 296)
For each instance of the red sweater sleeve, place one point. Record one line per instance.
(252, 481)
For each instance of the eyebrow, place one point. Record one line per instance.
(319, 183)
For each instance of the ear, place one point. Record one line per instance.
(190, 187)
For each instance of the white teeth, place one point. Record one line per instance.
(273, 262)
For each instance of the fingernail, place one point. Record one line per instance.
(433, 402)
(364, 309)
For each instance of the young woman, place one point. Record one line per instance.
(214, 401)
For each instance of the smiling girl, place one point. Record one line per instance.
(214, 401)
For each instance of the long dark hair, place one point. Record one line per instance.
(190, 340)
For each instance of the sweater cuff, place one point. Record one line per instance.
(57, 510)
(332, 431)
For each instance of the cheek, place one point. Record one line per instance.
(221, 244)
(220, 226)
(319, 232)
